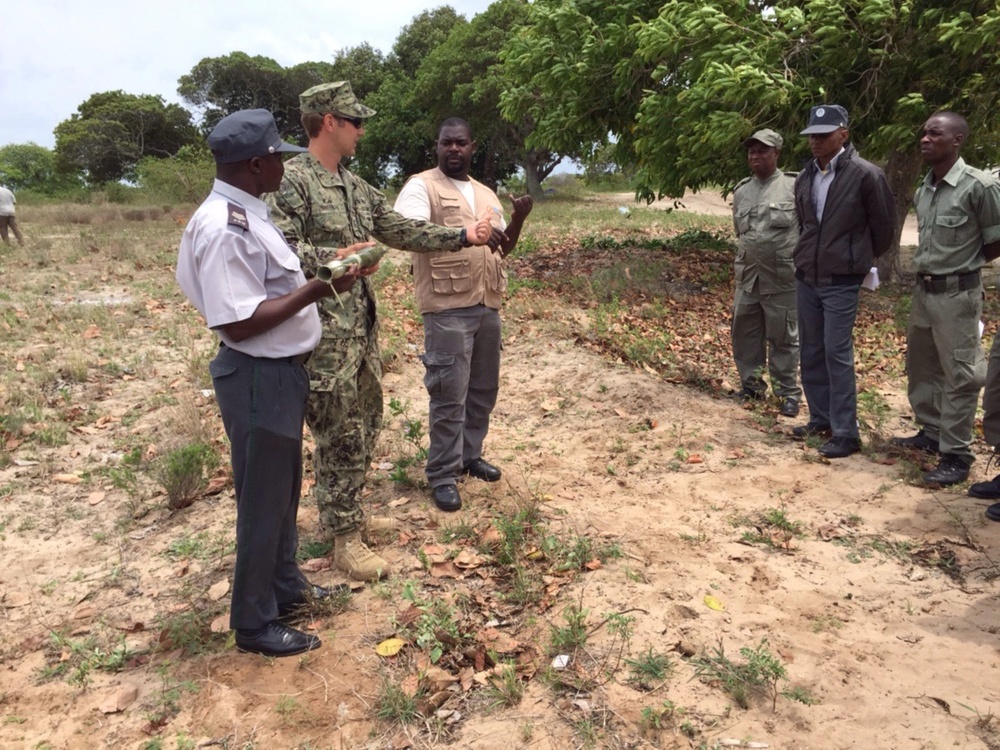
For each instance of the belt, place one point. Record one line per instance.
(939, 284)
(298, 359)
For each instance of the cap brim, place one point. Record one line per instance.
(748, 141)
(818, 129)
(288, 148)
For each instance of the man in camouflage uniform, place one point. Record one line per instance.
(765, 326)
(322, 206)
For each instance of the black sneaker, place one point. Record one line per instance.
(951, 469)
(840, 447)
(918, 442)
(986, 490)
(748, 395)
(811, 429)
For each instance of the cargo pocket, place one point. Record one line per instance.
(781, 215)
(437, 366)
(743, 220)
(948, 229)
(970, 368)
(451, 275)
(219, 370)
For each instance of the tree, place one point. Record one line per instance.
(32, 167)
(465, 77)
(218, 86)
(399, 141)
(677, 85)
(112, 131)
(185, 177)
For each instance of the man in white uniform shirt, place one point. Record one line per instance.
(459, 296)
(236, 268)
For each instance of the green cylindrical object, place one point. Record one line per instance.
(333, 270)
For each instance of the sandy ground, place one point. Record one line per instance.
(883, 607)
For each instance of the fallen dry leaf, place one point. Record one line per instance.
(119, 699)
(66, 479)
(390, 647)
(96, 497)
(218, 590)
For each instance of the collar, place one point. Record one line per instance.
(770, 178)
(956, 171)
(832, 166)
(254, 205)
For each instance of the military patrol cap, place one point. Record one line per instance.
(825, 118)
(766, 136)
(246, 134)
(336, 98)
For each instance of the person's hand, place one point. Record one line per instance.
(496, 239)
(357, 247)
(479, 233)
(521, 206)
(345, 282)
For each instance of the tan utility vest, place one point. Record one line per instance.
(473, 275)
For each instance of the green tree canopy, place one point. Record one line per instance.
(33, 167)
(464, 77)
(112, 131)
(676, 86)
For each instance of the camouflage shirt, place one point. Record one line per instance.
(321, 211)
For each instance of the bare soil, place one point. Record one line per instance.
(882, 604)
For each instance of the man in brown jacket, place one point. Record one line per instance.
(459, 296)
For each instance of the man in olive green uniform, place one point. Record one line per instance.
(958, 215)
(765, 323)
(322, 206)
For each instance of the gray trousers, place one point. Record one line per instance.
(945, 365)
(462, 377)
(263, 405)
(826, 348)
(10, 221)
(991, 398)
(765, 334)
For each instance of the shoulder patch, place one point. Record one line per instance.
(237, 216)
(791, 174)
(742, 182)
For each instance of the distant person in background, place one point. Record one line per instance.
(958, 216)
(7, 202)
(847, 219)
(237, 269)
(765, 331)
(459, 296)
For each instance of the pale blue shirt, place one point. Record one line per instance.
(227, 270)
(821, 184)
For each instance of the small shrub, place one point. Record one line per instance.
(183, 473)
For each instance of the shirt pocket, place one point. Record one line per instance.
(451, 275)
(781, 215)
(949, 229)
(743, 220)
(451, 211)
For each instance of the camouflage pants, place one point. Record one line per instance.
(344, 414)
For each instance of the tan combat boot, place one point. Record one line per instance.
(378, 528)
(352, 556)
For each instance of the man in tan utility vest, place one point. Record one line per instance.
(459, 296)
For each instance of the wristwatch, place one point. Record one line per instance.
(463, 238)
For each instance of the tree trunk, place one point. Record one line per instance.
(531, 179)
(901, 170)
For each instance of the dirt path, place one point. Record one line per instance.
(881, 599)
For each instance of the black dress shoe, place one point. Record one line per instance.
(811, 429)
(275, 639)
(993, 512)
(789, 408)
(840, 447)
(312, 595)
(479, 469)
(986, 490)
(919, 442)
(951, 469)
(446, 498)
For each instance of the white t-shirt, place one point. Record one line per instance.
(7, 201)
(413, 201)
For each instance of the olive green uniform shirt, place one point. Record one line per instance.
(766, 231)
(955, 219)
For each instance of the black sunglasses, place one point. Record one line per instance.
(357, 122)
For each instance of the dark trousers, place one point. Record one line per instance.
(826, 351)
(263, 406)
(462, 377)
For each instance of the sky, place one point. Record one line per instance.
(55, 54)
